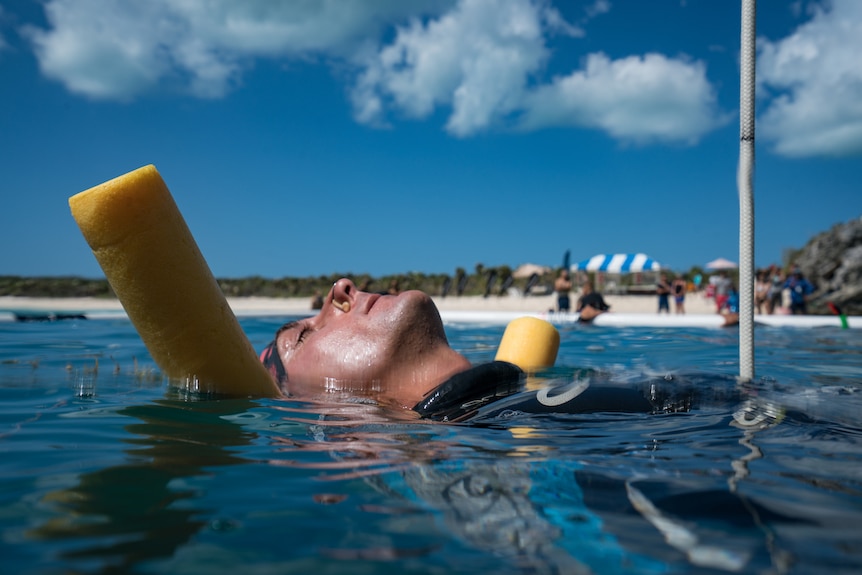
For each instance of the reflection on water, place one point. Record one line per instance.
(104, 470)
(128, 513)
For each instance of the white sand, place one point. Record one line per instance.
(695, 304)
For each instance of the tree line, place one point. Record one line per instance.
(482, 281)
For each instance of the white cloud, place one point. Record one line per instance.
(102, 51)
(3, 43)
(480, 60)
(814, 79)
(476, 59)
(640, 99)
(598, 7)
(115, 49)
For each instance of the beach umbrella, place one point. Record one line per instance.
(721, 264)
(567, 257)
(527, 270)
(618, 264)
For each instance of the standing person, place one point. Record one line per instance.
(663, 291)
(800, 288)
(678, 287)
(761, 291)
(730, 309)
(776, 286)
(723, 286)
(563, 285)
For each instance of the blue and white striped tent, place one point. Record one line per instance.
(618, 264)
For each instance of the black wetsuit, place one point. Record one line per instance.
(594, 300)
(497, 389)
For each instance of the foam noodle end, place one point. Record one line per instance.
(530, 343)
(153, 264)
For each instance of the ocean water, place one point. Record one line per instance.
(104, 468)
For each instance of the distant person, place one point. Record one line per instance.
(761, 291)
(590, 304)
(776, 289)
(663, 290)
(563, 285)
(678, 288)
(723, 286)
(394, 287)
(730, 308)
(800, 289)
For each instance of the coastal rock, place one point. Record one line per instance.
(832, 261)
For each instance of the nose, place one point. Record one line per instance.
(344, 292)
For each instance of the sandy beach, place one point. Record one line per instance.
(695, 304)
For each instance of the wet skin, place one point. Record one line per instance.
(391, 348)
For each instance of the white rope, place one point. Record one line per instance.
(746, 192)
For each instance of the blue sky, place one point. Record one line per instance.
(308, 138)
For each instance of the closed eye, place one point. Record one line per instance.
(303, 328)
(306, 331)
(286, 327)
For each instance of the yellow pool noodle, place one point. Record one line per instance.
(153, 264)
(530, 343)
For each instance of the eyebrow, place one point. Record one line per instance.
(287, 326)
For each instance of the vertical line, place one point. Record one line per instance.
(745, 175)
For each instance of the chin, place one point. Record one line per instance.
(417, 309)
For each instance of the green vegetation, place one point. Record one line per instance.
(474, 283)
(61, 286)
(70, 286)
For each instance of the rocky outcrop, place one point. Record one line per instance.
(832, 261)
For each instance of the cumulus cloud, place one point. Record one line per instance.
(480, 61)
(115, 50)
(3, 43)
(476, 59)
(640, 99)
(814, 81)
(481, 58)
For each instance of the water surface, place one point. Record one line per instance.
(105, 469)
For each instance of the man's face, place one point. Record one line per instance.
(368, 344)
